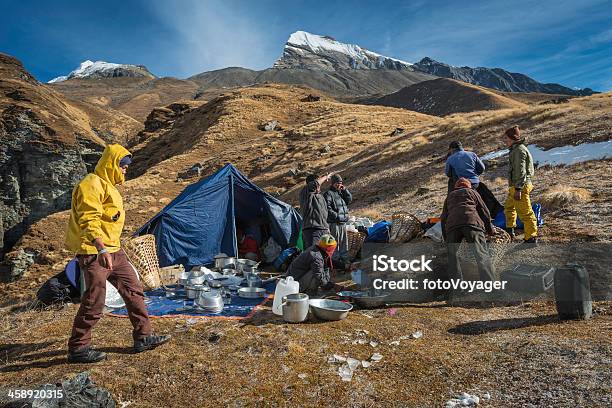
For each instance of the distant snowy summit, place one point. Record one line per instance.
(312, 51)
(101, 69)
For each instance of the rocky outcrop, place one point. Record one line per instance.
(495, 78)
(47, 144)
(36, 176)
(162, 119)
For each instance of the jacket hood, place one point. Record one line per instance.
(108, 165)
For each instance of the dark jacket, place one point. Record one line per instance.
(521, 166)
(313, 207)
(464, 164)
(310, 270)
(337, 205)
(464, 208)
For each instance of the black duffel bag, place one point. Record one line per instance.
(573, 292)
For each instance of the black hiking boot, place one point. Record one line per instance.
(510, 231)
(531, 242)
(150, 342)
(85, 356)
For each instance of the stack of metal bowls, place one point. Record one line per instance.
(211, 302)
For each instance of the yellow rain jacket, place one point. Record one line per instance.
(97, 207)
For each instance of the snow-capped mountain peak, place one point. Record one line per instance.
(306, 50)
(102, 69)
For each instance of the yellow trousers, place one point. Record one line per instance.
(524, 210)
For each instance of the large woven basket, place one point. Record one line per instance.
(404, 227)
(169, 275)
(355, 242)
(142, 253)
(498, 245)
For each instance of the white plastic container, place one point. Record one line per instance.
(284, 287)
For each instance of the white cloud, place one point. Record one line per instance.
(212, 35)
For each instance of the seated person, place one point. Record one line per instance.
(247, 246)
(311, 268)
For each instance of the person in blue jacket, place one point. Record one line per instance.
(462, 164)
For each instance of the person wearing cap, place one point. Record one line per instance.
(520, 173)
(460, 163)
(94, 229)
(312, 267)
(465, 216)
(314, 210)
(338, 197)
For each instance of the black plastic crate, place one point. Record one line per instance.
(525, 278)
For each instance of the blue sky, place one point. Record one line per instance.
(563, 41)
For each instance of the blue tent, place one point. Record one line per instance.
(201, 221)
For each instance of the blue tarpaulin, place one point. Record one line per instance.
(158, 305)
(201, 221)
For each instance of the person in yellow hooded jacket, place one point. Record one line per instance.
(94, 230)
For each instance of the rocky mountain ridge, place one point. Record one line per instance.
(495, 78)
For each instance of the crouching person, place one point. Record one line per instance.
(465, 216)
(96, 221)
(311, 268)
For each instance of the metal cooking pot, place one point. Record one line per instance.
(196, 278)
(246, 265)
(225, 262)
(251, 293)
(193, 291)
(210, 301)
(254, 281)
(327, 309)
(295, 307)
(367, 300)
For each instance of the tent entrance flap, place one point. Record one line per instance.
(201, 221)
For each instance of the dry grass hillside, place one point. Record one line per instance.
(509, 352)
(19, 90)
(444, 96)
(135, 97)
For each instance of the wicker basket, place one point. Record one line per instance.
(355, 242)
(498, 245)
(142, 254)
(404, 227)
(169, 275)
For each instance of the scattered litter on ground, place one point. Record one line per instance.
(463, 400)
(394, 343)
(392, 312)
(376, 357)
(417, 334)
(302, 376)
(345, 372)
(374, 343)
(365, 363)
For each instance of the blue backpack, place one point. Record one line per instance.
(500, 218)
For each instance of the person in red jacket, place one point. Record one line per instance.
(247, 246)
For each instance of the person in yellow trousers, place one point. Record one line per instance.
(94, 230)
(520, 176)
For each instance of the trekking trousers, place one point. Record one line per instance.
(123, 277)
(479, 247)
(524, 210)
(338, 231)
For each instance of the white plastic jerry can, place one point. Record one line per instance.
(284, 287)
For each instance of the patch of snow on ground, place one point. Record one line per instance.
(565, 155)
